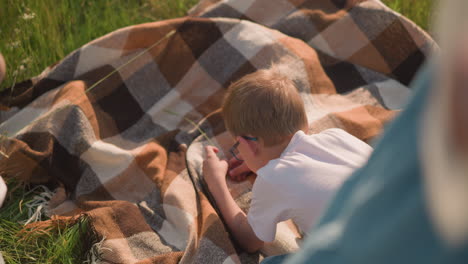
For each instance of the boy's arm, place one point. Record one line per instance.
(214, 171)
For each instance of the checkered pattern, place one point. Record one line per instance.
(364, 33)
(119, 151)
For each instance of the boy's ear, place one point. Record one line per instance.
(252, 146)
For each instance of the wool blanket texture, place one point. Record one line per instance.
(120, 124)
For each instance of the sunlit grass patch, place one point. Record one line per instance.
(36, 34)
(56, 245)
(58, 242)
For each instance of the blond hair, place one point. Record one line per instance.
(264, 104)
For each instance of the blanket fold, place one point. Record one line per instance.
(120, 123)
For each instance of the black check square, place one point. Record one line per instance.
(221, 61)
(113, 97)
(406, 71)
(344, 76)
(199, 34)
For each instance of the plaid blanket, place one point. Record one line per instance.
(120, 123)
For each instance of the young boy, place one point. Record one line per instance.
(296, 173)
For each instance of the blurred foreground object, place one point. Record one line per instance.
(445, 143)
(2, 68)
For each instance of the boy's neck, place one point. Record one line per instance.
(271, 152)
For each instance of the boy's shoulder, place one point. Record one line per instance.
(335, 132)
(336, 137)
(321, 152)
(302, 142)
(291, 162)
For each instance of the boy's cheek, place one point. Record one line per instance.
(234, 163)
(250, 164)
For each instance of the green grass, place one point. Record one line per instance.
(37, 33)
(57, 244)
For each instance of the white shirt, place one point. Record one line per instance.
(299, 184)
(3, 192)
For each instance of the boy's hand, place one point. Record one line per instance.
(238, 170)
(214, 169)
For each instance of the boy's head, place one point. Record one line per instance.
(266, 105)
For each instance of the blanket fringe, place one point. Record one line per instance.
(54, 223)
(94, 255)
(37, 206)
